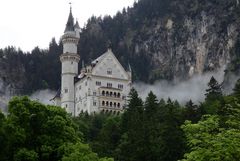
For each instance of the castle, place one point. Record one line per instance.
(101, 86)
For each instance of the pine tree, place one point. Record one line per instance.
(214, 91)
(131, 147)
(152, 128)
(214, 98)
(236, 89)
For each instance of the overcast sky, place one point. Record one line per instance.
(30, 23)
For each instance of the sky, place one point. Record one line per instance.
(26, 24)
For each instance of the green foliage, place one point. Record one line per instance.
(79, 152)
(25, 155)
(208, 141)
(33, 131)
(215, 137)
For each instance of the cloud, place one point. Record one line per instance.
(43, 96)
(193, 88)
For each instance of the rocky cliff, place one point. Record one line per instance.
(173, 39)
(160, 39)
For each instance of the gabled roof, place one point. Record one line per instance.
(118, 67)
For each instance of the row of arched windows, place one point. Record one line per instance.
(111, 94)
(110, 112)
(110, 104)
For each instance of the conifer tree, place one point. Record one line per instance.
(214, 98)
(214, 91)
(236, 89)
(131, 147)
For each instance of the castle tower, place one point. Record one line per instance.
(69, 59)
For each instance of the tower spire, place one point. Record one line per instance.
(70, 22)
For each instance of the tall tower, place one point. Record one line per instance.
(69, 60)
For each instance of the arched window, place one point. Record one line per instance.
(118, 105)
(107, 93)
(107, 103)
(118, 95)
(115, 94)
(114, 104)
(103, 103)
(103, 93)
(110, 104)
(111, 94)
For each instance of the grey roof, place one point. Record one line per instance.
(76, 26)
(70, 22)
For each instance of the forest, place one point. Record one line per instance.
(150, 130)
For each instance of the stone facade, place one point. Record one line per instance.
(101, 86)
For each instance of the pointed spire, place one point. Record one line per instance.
(70, 22)
(76, 26)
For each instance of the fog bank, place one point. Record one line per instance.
(193, 89)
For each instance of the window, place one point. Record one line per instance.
(120, 86)
(66, 90)
(118, 105)
(109, 71)
(103, 103)
(94, 103)
(109, 85)
(98, 83)
(103, 93)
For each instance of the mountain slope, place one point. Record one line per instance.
(160, 39)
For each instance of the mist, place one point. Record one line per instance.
(43, 96)
(193, 89)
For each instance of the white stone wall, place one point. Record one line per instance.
(88, 95)
(67, 92)
(69, 67)
(69, 48)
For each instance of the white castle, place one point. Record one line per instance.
(101, 86)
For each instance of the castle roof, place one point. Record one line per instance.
(76, 26)
(70, 22)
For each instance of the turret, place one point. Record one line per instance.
(69, 59)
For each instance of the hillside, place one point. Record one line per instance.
(173, 39)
